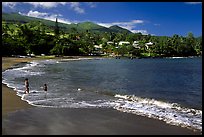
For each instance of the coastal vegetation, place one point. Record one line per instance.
(22, 35)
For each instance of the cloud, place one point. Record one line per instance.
(36, 14)
(127, 25)
(123, 24)
(9, 4)
(76, 7)
(91, 4)
(46, 5)
(47, 16)
(193, 3)
(156, 24)
(144, 32)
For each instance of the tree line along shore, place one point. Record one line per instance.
(36, 38)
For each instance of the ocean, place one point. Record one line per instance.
(168, 89)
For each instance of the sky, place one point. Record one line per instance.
(154, 18)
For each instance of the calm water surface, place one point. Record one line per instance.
(167, 89)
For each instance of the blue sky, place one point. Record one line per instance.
(154, 18)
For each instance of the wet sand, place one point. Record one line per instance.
(20, 118)
(10, 101)
(85, 121)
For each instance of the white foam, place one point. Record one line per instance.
(23, 71)
(77, 59)
(171, 113)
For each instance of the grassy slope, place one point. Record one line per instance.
(17, 18)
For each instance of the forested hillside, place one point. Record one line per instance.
(22, 35)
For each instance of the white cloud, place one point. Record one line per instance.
(193, 3)
(156, 24)
(46, 5)
(62, 20)
(91, 4)
(105, 24)
(136, 21)
(9, 4)
(36, 14)
(76, 7)
(127, 25)
(123, 24)
(47, 16)
(144, 32)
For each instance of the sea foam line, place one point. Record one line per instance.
(171, 113)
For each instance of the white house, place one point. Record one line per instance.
(136, 44)
(98, 47)
(148, 44)
(110, 42)
(124, 42)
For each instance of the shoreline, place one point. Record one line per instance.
(10, 101)
(86, 121)
(12, 106)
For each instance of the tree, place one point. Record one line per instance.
(198, 46)
(122, 49)
(56, 29)
(131, 38)
(190, 44)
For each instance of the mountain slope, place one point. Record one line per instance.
(17, 18)
(92, 27)
(116, 28)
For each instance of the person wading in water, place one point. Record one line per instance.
(26, 86)
(45, 87)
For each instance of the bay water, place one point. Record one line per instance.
(168, 89)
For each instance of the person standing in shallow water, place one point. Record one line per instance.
(26, 86)
(45, 87)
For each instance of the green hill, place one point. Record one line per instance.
(116, 28)
(92, 27)
(17, 18)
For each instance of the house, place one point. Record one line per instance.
(110, 43)
(149, 44)
(124, 42)
(136, 45)
(98, 49)
(49, 33)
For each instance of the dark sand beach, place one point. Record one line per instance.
(20, 118)
(10, 101)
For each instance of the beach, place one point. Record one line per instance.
(20, 118)
(10, 101)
